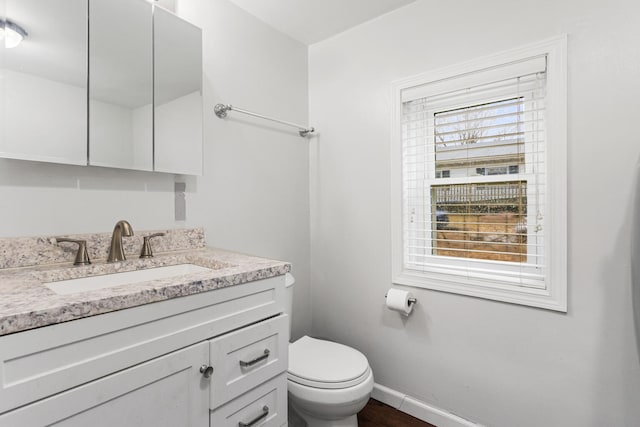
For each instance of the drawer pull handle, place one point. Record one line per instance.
(256, 360)
(206, 370)
(265, 412)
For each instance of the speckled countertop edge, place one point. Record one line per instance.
(25, 303)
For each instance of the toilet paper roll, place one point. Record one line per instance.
(398, 300)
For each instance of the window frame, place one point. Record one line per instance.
(552, 294)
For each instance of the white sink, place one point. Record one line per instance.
(71, 286)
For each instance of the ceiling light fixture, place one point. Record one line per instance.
(11, 33)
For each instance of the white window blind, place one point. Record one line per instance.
(478, 169)
(474, 175)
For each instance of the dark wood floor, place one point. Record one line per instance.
(377, 414)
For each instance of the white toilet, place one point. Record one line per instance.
(328, 383)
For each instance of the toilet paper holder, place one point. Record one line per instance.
(411, 300)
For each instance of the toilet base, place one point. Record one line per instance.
(302, 419)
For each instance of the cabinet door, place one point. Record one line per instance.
(121, 84)
(167, 391)
(43, 81)
(177, 45)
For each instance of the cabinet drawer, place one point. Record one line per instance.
(247, 357)
(265, 405)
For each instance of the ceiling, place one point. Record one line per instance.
(311, 21)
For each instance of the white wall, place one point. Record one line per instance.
(253, 196)
(493, 363)
(48, 199)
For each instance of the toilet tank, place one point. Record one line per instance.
(289, 280)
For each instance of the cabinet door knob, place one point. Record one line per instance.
(206, 370)
(265, 412)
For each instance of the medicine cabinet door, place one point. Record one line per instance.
(178, 95)
(121, 84)
(43, 80)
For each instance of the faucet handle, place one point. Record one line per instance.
(82, 257)
(146, 245)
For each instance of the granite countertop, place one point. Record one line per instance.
(25, 303)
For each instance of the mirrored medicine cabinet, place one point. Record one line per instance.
(115, 83)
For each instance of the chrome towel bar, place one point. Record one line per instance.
(221, 112)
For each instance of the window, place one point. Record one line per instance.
(479, 178)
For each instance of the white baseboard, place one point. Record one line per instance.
(418, 409)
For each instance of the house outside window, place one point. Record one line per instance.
(479, 178)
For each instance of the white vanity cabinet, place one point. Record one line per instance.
(147, 365)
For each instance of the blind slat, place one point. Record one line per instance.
(430, 146)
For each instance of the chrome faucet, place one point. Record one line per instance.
(116, 252)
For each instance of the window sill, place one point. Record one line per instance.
(548, 297)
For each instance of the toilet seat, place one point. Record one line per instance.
(326, 365)
(328, 385)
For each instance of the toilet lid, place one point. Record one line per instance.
(326, 364)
